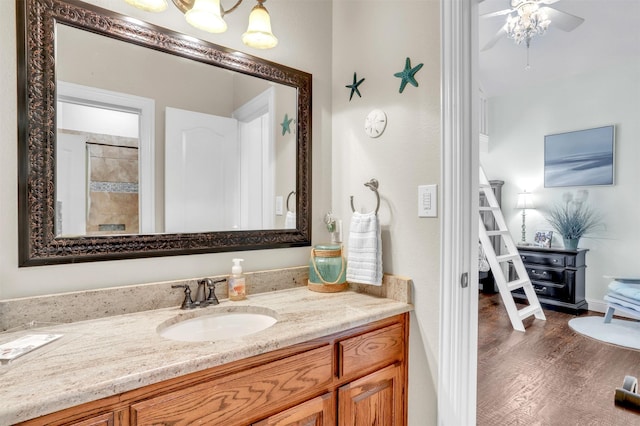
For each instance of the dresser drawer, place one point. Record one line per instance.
(549, 291)
(361, 353)
(538, 273)
(552, 291)
(545, 259)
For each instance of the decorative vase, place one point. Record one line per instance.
(571, 243)
(327, 269)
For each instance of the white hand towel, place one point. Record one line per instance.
(364, 259)
(290, 220)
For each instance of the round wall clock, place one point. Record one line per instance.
(375, 123)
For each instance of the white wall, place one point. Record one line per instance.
(304, 30)
(373, 38)
(518, 124)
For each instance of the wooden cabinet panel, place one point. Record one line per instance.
(374, 400)
(102, 420)
(370, 350)
(278, 388)
(320, 411)
(238, 398)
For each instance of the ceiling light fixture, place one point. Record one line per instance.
(208, 15)
(528, 22)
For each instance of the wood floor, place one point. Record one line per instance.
(548, 375)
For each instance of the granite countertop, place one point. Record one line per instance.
(102, 357)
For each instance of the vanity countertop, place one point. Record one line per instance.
(103, 357)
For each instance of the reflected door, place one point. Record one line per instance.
(202, 172)
(71, 185)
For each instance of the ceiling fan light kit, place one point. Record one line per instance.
(528, 22)
(529, 18)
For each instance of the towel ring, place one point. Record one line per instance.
(372, 185)
(289, 196)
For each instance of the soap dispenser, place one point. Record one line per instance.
(237, 282)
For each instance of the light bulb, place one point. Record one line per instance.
(205, 15)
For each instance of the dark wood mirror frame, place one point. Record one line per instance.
(38, 245)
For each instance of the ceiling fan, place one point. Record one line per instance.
(528, 18)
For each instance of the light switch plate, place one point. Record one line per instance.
(428, 201)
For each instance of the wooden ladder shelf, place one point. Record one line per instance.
(512, 255)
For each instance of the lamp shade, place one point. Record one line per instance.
(258, 32)
(525, 201)
(149, 5)
(205, 15)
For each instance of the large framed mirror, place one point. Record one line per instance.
(137, 141)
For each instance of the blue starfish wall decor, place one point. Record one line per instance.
(286, 122)
(407, 74)
(354, 86)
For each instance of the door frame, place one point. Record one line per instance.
(145, 108)
(457, 366)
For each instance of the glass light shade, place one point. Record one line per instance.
(205, 15)
(149, 5)
(259, 33)
(525, 201)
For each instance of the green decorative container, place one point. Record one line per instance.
(571, 243)
(327, 269)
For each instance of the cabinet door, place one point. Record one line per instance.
(102, 420)
(240, 398)
(320, 411)
(374, 400)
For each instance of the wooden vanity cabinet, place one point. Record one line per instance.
(356, 377)
(319, 411)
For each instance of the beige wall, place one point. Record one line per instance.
(304, 30)
(373, 38)
(331, 40)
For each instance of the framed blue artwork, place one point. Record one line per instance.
(579, 158)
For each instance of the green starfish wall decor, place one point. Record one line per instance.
(408, 74)
(354, 86)
(286, 122)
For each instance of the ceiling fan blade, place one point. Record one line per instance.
(563, 20)
(498, 13)
(501, 33)
(547, 2)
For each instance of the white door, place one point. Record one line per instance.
(256, 177)
(257, 161)
(71, 185)
(201, 172)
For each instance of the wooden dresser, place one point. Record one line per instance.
(557, 275)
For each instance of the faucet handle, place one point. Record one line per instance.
(212, 299)
(187, 303)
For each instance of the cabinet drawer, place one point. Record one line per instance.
(241, 397)
(552, 292)
(544, 259)
(551, 275)
(371, 349)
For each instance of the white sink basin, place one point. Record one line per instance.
(216, 326)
